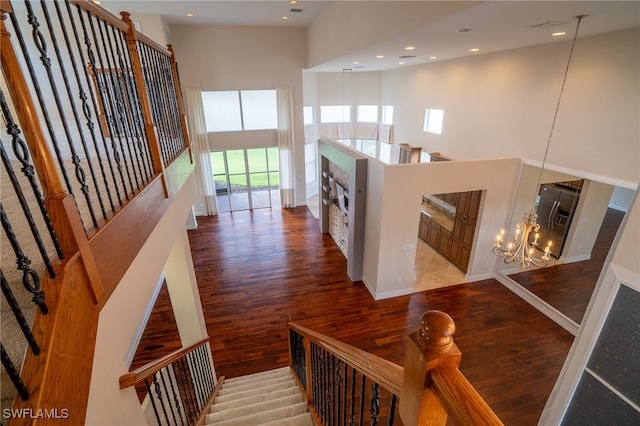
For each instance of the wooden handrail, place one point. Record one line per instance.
(385, 373)
(460, 399)
(150, 369)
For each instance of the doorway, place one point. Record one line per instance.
(246, 179)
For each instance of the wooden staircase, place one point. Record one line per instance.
(267, 398)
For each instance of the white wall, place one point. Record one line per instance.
(123, 313)
(502, 105)
(245, 58)
(394, 196)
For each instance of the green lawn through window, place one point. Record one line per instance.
(259, 169)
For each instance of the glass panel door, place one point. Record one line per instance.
(246, 179)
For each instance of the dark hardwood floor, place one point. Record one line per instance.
(255, 268)
(568, 287)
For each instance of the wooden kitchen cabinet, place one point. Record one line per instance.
(464, 228)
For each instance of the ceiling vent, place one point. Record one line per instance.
(296, 10)
(406, 56)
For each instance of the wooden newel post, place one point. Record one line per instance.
(430, 347)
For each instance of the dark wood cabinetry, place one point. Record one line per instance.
(454, 244)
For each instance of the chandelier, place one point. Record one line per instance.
(523, 248)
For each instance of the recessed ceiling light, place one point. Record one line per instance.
(400, 63)
(433, 57)
(410, 48)
(293, 2)
(560, 33)
(355, 62)
(285, 17)
(475, 49)
(189, 14)
(380, 56)
(97, 1)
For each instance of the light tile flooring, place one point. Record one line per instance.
(432, 270)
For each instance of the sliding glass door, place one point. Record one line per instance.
(246, 178)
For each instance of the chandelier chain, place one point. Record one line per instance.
(555, 114)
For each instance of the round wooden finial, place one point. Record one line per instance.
(436, 329)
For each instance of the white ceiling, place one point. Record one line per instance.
(493, 25)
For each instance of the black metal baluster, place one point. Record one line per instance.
(41, 45)
(103, 75)
(85, 107)
(201, 375)
(116, 80)
(338, 389)
(375, 403)
(177, 397)
(362, 396)
(91, 57)
(392, 409)
(344, 394)
(332, 383)
(153, 400)
(158, 390)
(22, 154)
(197, 385)
(163, 97)
(176, 135)
(352, 420)
(207, 361)
(189, 383)
(189, 410)
(13, 373)
(323, 390)
(17, 313)
(132, 105)
(80, 174)
(38, 91)
(30, 278)
(151, 96)
(166, 392)
(314, 374)
(140, 135)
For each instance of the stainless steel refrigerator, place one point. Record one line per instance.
(556, 206)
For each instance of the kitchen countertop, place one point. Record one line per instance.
(438, 214)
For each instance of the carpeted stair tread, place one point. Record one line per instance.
(267, 398)
(277, 415)
(254, 399)
(299, 420)
(255, 390)
(253, 384)
(283, 371)
(255, 408)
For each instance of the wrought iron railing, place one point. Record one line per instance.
(28, 234)
(179, 386)
(93, 115)
(344, 385)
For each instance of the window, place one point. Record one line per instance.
(222, 111)
(335, 113)
(307, 114)
(227, 111)
(387, 114)
(259, 109)
(433, 119)
(367, 113)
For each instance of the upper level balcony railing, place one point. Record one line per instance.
(94, 133)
